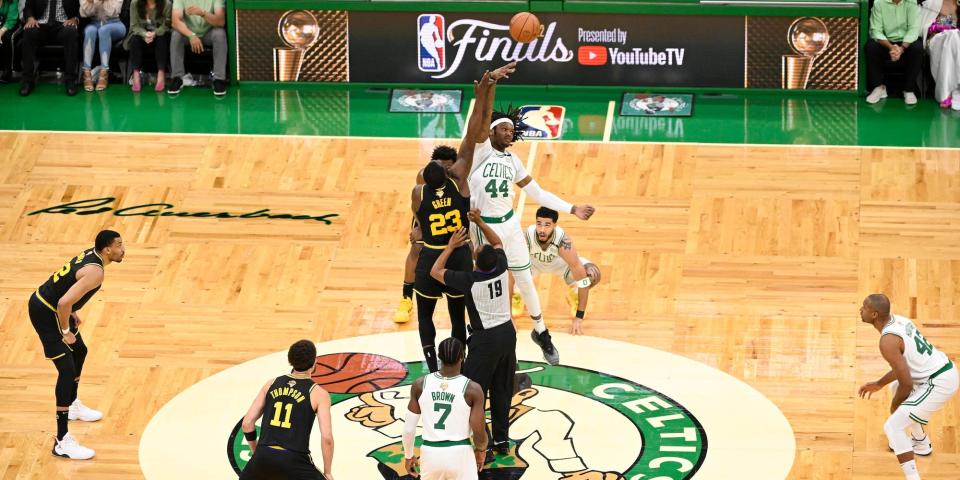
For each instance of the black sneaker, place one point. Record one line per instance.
(71, 88)
(501, 448)
(26, 88)
(175, 86)
(521, 381)
(219, 87)
(550, 353)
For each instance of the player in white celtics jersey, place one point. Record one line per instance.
(452, 408)
(923, 380)
(552, 251)
(492, 176)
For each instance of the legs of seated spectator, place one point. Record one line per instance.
(109, 32)
(216, 39)
(178, 46)
(32, 39)
(70, 38)
(913, 58)
(877, 57)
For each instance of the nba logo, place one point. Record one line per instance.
(542, 122)
(432, 43)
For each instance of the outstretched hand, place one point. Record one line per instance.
(503, 72)
(474, 216)
(867, 389)
(458, 238)
(584, 212)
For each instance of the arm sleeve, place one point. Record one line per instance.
(11, 14)
(519, 168)
(481, 152)
(409, 433)
(546, 198)
(876, 23)
(913, 23)
(458, 280)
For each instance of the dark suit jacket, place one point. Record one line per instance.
(37, 8)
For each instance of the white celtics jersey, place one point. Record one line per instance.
(491, 180)
(445, 413)
(546, 259)
(923, 359)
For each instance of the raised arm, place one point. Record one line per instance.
(487, 110)
(479, 121)
(492, 238)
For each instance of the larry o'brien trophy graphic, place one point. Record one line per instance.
(808, 37)
(299, 31)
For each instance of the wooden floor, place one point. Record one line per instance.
(749, 259)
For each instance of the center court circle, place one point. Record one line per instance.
(612, 410)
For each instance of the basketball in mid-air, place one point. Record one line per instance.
(525, 27)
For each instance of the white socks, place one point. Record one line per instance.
(538, 325)
(910, 470)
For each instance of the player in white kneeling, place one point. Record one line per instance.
(552, 251)
(452, 407)
(923, 380)
(493, 173)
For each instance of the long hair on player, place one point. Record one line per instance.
(435, 175)
(513, 114)
(302, 355)
(450, 351)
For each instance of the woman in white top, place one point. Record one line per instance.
(104, 28)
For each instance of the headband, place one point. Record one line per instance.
(499, 121)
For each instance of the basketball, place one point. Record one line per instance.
(357, 372)
(525, 27)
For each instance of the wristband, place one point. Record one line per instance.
(580, 314)
(193, 35)
(250, 436)
(584, 282)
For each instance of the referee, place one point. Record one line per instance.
(492, 359)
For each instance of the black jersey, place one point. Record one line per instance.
(57, 285)
(288, 414)
(442, 212)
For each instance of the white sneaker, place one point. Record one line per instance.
(79, 411)
(68, 447)
(955, 100)
(909, 98)
(877, 94)
(922, 447)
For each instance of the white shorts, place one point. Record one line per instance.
(514, 242)
(559, 267)
(929, 396)
(448, 463)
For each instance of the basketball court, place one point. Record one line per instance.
(724, 341)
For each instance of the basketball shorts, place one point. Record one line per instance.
(427, 286)
(514, 242)
(270, 463)
(44, 320)
(558, 267)
(929, 396)
(447, 463)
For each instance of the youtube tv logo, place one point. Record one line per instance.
(592, 55)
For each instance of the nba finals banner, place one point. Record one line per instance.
(575, 49)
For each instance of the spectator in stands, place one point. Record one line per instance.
(149, 28)
(199, 22)
(894, 37)
(9, 14)
(45, 20)
(939, 23)
(104, 28)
